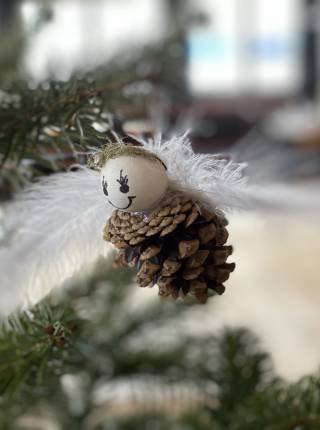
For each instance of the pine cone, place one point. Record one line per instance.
(180, 247)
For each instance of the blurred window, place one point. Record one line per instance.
(84, 34)
(246, 46)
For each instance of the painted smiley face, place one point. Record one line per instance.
(124, 188)
(133, 183)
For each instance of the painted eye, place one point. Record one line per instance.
(105, 186)
(123, 181)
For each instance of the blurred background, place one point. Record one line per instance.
(233, 63)
(73, 71)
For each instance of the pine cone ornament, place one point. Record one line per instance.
(180, 247)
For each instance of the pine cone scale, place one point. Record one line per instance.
(188, 247)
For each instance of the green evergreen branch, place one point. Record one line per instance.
(282, 406)
(55, 113)
(31, 344)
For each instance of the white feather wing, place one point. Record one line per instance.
(218, 181)
(210, 179)
(57, 230)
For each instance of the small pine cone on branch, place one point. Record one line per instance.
(179, 247)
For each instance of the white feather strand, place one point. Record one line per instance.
(212, 180)
(57, 225)
(217, 181)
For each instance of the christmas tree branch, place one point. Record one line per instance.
(31, 343)
(67, 116)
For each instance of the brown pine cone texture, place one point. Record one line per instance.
(179, 247)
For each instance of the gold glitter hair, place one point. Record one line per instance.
(115, 150)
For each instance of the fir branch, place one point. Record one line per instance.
(62, 117)
(112, 342)
(34, 345)
(282, 406)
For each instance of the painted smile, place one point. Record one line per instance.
(130, 198)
